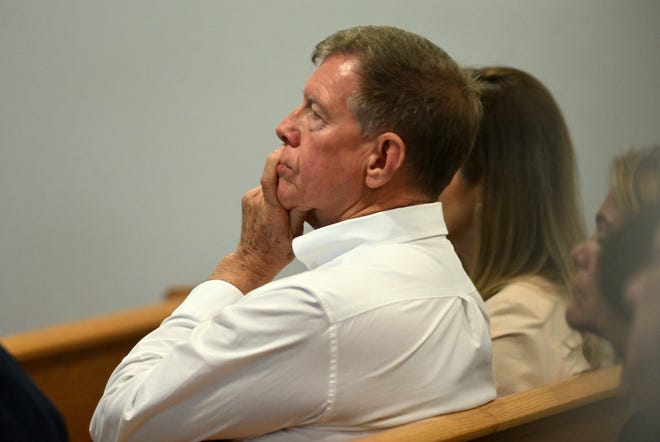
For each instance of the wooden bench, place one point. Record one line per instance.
(71, 363)
(586, 407)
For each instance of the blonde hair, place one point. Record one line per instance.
(524, 160)
(635, 179)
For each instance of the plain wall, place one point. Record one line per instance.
(130, 129)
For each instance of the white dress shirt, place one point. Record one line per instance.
(384, 329)
(533, 345)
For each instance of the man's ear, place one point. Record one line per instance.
(386, 160)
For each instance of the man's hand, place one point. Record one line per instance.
(266, 234)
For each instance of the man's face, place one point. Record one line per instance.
(323, 162)
(589, 311)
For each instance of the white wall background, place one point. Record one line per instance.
(130, 129)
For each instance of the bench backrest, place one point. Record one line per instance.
(587, 407)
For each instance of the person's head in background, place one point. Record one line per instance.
(512, 209)
(628, 280)
(634, 188)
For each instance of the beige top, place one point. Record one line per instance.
(532, 343)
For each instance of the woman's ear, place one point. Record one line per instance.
(386, 160)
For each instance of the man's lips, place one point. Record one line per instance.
(577, 292)
(283, 168)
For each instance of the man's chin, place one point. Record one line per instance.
(575, 318)
(283, 198)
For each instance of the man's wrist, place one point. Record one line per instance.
(242, 271)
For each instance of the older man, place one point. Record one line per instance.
(385, 327)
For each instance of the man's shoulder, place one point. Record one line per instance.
(379, 275)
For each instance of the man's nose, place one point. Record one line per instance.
(579, 255)
(288, 130)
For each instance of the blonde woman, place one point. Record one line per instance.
(513, 216)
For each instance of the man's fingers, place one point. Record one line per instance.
(269, 177)
(268, 188)
(252, 193)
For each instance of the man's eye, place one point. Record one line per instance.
(602, 227)
(603, 230)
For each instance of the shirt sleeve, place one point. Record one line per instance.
(222, 366)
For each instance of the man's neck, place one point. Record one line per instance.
(363, 208)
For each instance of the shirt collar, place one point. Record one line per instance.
(396, 225)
